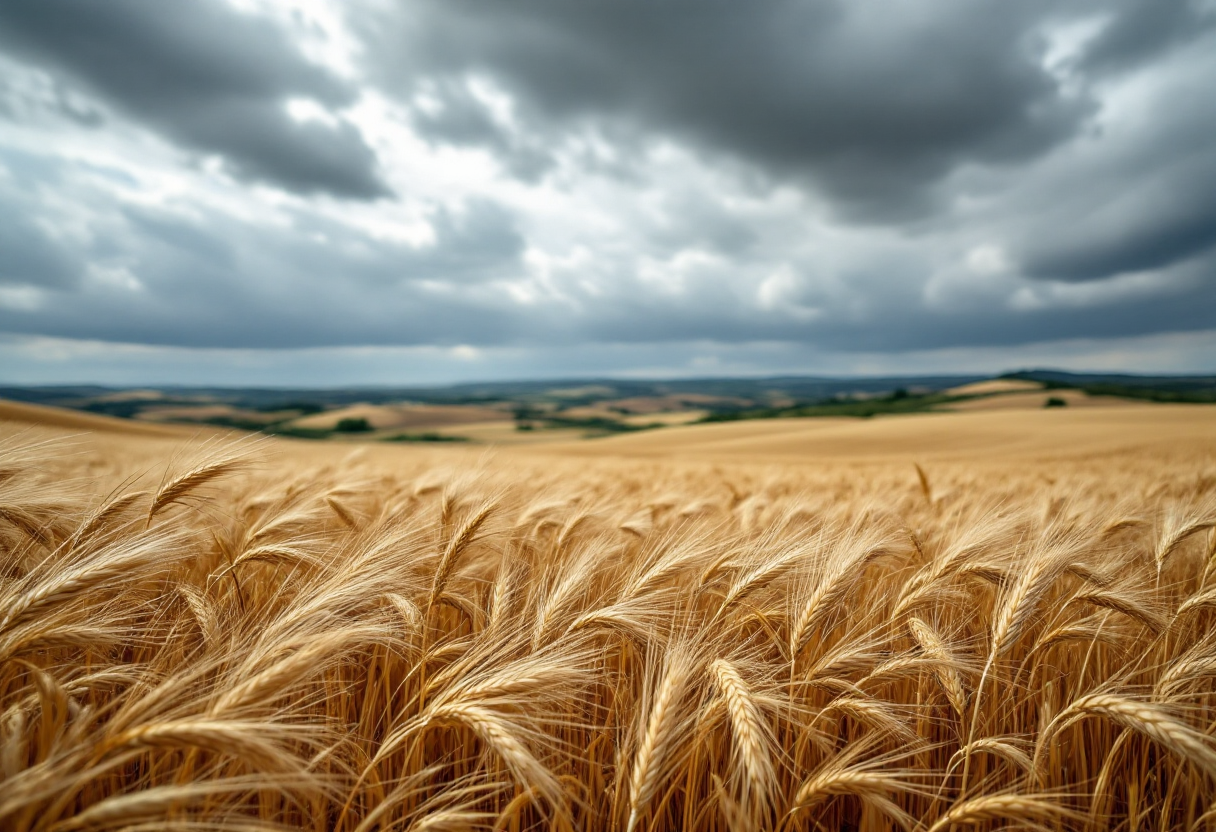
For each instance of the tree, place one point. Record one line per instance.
(353, 425)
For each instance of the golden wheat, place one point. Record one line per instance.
(441, 640)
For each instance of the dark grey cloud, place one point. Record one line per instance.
(190, 276)
(1143, 30)
(212, 79)
(688, 218)
(873, 103)
(1170, 221)
(456, 116)
(30, 253)
(28, 257)
(1134, 201)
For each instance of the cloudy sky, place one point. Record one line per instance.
(418, 191)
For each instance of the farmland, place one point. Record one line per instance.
(530, 413)
(968, 620)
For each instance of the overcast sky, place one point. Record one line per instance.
(329, 192)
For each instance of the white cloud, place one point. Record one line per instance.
(987, 260)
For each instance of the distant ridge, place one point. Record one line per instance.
(794, 386)
(1180, 382)
(529, 400)
(1198, 389)
(74, 420)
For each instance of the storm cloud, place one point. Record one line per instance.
(624, 181)
(207, 76)
(873, 103)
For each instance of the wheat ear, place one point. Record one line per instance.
(753, 736)
(455, 548)
(1034, 809)
(946, 670)
(180, 487)
(659, 739)
(1146, 718)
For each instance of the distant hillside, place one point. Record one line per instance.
(127, 402)
(1181, 389)
(597, 406)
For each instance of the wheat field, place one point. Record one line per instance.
(218, 634)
